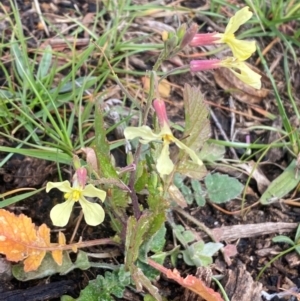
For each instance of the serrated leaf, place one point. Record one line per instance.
(222, 188)
(191, 169)
(142, 181)
(197, 127)
(22, 240)
(282, 185)
(283, 239)
(102, 288)
(135, 233)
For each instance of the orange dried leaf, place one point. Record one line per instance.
(19, 239)
(58, 254)
(190, 282)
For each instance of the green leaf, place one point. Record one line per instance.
(84, 81)
(211, 248)
(135, 233)
(20, 62)
(297, 235)
(282, 185)
(113, 283)
(45, 63)
(184, 236)
(197, 126)
(297, 249)
(222, 188)
(198, 193)
(211, 152)
(200, 254)
(158, 240)
(49, 154)
(9, 201)
(107, 170)
(141, 181)
(48, 268)
(283, 239)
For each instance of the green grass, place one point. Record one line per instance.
(49, 101)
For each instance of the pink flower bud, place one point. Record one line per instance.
(200, 65)
(160, 109)
(189, 35)
(81, 176)
(202, 39)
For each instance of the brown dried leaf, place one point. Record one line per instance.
(164, 87)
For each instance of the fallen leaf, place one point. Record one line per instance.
(164, 87)
(21, 240)
(190, 282)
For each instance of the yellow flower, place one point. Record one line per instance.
(93, 212)
(246, 74)
(240, 49)
(164, 164)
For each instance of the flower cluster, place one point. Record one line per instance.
(164, 164)
(241, 50)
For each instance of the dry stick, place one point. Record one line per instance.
(240, 231)
(77, 226)
(39, 12)
(230, 233)
(222, 132)
(196, 222)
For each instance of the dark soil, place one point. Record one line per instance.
(253, 253)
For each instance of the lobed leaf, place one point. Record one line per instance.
(21, 240)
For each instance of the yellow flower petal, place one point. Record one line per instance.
(64, 186)
(164, 164)
(60, 213)
(143, 132)
(92, 191)
(241, 50)
(190, 152)
(246, 75)
(93, 212)
(240, 17)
